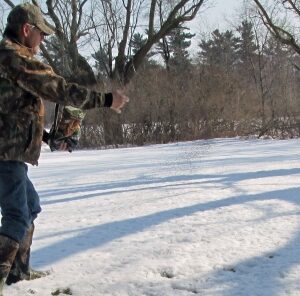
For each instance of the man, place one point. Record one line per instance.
(24, 82)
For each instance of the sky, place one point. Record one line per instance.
(216, 217)
(221, 12)
(218, 14)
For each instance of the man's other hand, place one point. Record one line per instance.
(119, 101)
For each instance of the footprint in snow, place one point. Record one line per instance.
(167, 273)
(66, 291)
(229, 268)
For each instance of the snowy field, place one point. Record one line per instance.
(218, 217)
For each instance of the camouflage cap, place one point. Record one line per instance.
(29, 13)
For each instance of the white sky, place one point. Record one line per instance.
(218, 14)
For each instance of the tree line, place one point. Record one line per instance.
(237, 82)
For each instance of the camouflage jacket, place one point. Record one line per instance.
(24, 83)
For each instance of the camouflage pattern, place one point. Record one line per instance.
(67, 131)
(70, 122)
(28, 13)
(24, 82)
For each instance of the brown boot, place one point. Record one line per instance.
(21, 269)
(8, 251)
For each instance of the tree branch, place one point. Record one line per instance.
(9, 3)
(58, 26)
(282, 35)
(120, 59)
(173, 21)
(293, 5)
(151, 18)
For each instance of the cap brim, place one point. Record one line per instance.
(45, 29)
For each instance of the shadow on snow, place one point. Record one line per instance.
(92, 237)
(238, 284)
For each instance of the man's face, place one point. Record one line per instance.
(33, 37)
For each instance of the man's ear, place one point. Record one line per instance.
(25, 29)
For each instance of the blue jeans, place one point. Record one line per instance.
(19, 202)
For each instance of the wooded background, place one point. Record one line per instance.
(240, 81)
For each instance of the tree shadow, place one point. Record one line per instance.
(239, 282)
(126, 186)
(92, 237)
(284, 259)
(259, 275)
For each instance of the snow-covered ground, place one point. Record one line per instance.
(217, 217)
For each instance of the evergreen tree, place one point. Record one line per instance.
(137, 42)
(247, 45)
(174, 48)
(102, 62)
(64, 63)
(221, 50)
(180, 41)
(59, 57)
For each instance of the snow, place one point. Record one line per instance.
(217, 217)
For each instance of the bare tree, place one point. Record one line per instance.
(71, 26)
(75, 20)
(123, 18)
(280, 17)
(275, 16)
(109, 26)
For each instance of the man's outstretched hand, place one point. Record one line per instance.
(119, 101)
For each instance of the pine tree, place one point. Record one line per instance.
(59, 57)
(137, 42)
(102, 63)
(221, 50)
(247, 45)
(174, 48)
(180, 41)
